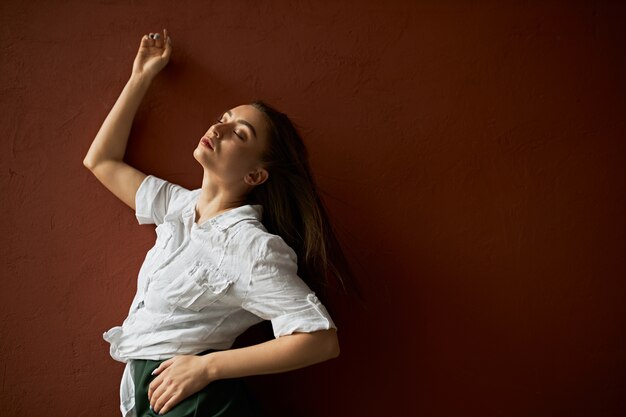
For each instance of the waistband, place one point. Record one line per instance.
(205, 352)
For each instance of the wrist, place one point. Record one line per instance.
(140, 79)
(211, 366)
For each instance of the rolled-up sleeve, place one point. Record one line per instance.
(275, 292)
(155, 197)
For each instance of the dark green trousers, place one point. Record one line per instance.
(223, 398)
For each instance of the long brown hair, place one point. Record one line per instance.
(293, 209)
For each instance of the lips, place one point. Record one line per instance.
(206, 142)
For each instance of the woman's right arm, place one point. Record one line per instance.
(105, 156)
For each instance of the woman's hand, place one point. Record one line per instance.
(153, 55)
(177, 378)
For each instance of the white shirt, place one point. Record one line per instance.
(201, 286)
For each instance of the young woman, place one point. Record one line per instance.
(253, 243)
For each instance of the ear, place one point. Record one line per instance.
(257, 177)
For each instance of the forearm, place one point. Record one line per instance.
(285, 353)
(110, 142)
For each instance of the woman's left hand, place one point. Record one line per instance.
(177, 378)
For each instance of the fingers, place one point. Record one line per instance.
(164, 364)
(157, 369)
(158, 40)
(166, 36)
(158, 397)
(168, 49)
(157, 381)
(153, 386)
(147, 41)
(167, 41)
(175, 399)
(164, 398)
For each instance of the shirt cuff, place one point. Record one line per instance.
(312, 319)
(144, 199)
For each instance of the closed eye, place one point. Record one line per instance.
(235, 132)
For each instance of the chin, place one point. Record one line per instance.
(203, 161)
(197, 153)
(198, 157)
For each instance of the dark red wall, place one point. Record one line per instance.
(469, 152)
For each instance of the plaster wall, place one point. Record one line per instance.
(470, 154)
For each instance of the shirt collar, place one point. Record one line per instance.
(228, 218)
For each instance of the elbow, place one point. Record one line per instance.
(91, 161)
(334, 352)
(91, 164)
(332, 347)
(88, 164)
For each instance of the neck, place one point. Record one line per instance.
(216, 198)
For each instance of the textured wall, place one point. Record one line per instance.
(470, 154)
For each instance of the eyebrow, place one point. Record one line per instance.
(243, 122)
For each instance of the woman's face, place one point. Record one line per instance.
(235, 145)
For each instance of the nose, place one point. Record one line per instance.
(214, 132)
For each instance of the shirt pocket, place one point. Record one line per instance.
(197, 287)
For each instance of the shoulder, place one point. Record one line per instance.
(263, 243)
(157, 199)
(156, 188)
(260, 244)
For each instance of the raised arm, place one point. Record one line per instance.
(105, 156)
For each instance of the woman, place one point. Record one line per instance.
(253, 243)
